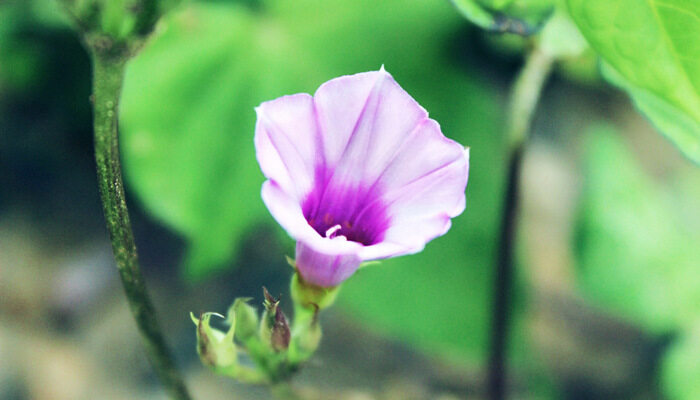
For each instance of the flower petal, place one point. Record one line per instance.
(420, 208)
(321, 261)
(287, 211)
(364, 119)
(287, 142)
(328, 265)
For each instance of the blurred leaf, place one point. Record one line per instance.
(681, 370)
(187, 123)
(637, 253)
(191, 159)
(678, 126)
(653, 49)
(522, 17)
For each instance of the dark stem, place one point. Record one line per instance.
(108, 74)
(524, 96)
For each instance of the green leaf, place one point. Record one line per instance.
(636, 246)
(522, 17)
(653, 49)
(187, 124)
(678, 126)
(680, 374)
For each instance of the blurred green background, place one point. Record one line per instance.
(607, 302)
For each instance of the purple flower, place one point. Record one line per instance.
(357, 172)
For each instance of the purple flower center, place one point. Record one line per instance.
(355, 212)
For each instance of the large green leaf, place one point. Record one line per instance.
(636, 245)
(187, 123)
(654, 51)
(523, 17)
(190, 159)
(678, 126)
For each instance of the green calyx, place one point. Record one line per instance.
(215, 348)
(245, 317)
(277, 349)
(311, 296)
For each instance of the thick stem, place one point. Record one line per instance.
(524, 97)
(108, 74)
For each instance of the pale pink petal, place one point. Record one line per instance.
(337, 265)
(366, 117)
(287, 142)
(285, 208)
(421, 210)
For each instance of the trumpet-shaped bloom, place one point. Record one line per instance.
(357, 172)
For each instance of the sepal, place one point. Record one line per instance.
(245, 317)
(311, 296)
(216, 349)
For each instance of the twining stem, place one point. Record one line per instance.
(108, 75)
(523, 99)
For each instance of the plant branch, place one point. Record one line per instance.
(108, 75)
(524, 97)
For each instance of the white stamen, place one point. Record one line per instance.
(332, 230)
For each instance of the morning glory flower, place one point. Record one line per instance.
(357, 172)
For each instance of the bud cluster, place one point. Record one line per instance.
(275, 349)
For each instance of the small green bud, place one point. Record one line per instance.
(311, 296)
(215, 348)
(274, 328)
(246, 319)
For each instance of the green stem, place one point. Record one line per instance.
(108, 75)
(306, 334)
(524, 97)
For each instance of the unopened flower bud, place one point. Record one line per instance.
(274, 329)
(246, 319)
(215, 348)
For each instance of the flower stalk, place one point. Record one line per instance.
(309, 300)
(108, 75)
(525, 94)
(111, 41)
